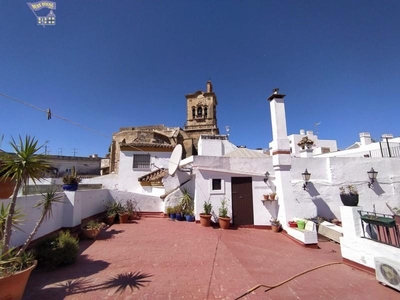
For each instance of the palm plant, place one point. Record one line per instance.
(25, 164)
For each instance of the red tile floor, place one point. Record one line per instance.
(157, 258)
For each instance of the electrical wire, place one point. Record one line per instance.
(47, 112)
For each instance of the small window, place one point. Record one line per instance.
(199, 111)
(141, 161)
(217, 186)
(205, 112)
(193, 112)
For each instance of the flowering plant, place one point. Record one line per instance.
(349, 190)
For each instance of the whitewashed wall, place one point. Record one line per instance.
(75, 206)
(145, 203)
(327, 175)
(206, 168)
(321, 198)
(128, 177)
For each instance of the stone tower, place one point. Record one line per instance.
(201, 114)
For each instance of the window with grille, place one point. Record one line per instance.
(141, 161)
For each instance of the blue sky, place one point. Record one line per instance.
(109, 64)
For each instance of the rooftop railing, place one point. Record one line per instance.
(381, 228)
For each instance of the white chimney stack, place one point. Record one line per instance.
(302, 132)
(365, 138)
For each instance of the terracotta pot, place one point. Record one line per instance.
(13, 287)
(224, 222)
(6, 188)
(205, 220)
(110, 220)
(272, 197)
(266, 197)
(123, 218)
(276, 228)
(90, 233)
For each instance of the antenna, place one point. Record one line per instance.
(316, 127)
(175, 160)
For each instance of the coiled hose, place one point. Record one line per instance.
(283, 282)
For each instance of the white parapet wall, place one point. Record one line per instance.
(355, 247)
(74, 207)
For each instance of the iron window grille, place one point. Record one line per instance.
(141, 161)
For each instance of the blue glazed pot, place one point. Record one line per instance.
(172, 216)
(189, 218)
(70, 187)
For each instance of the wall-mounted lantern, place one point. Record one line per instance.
(266, 177)
(306, 178)
(372, 177)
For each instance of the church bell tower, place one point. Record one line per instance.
(201, 113)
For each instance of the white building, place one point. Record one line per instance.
(320, 146)
(366, 147)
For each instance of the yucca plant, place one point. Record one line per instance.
(24, 165)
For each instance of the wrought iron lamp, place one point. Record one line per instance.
(306, 178)
(266, 177)
(372, 177)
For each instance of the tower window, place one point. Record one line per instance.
(205, 112)
(199, 111)
(193, 112)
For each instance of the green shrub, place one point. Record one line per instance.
(59, 251)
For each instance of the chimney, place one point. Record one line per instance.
(387, 136)
(310, 132)
(209, 87)
(365, 138)
(302, 132)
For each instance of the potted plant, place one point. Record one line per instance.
(349, 195)
(189, 216)
(305, 142)
(179, 213)
(16, 264)
(275, 225)
(170, 212)
(224, 220)
(266, 196)
(187, 205)
(396, 213)
(91, 229)
(205, 216)
(111, 211)
(123, 214)
(373, 219)
(71, 181)
(292, 224)
(131, 208)
(272, 196)
(301, 224)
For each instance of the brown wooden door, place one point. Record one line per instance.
(242, 201)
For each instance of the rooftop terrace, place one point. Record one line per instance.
(156, 258)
